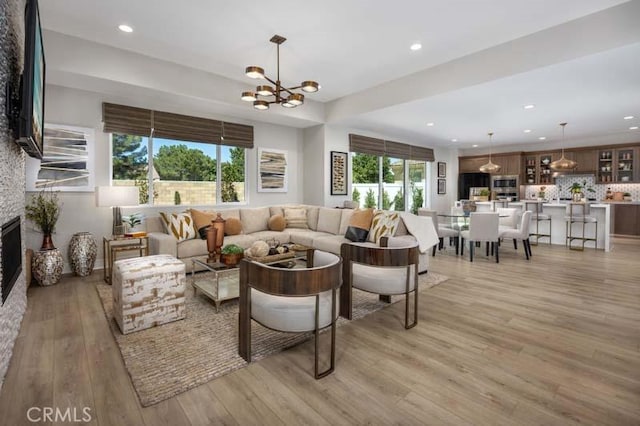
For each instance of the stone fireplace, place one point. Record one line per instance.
(12, 187)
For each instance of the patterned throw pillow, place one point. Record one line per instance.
(384, 224)
(296, 217)
(180, 225)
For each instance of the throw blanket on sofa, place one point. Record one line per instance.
(422, 228)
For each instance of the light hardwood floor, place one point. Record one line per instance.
(555, 340)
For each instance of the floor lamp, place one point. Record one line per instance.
(117, 196)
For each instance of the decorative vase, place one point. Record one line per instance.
(83, 250)
(47, 242)
(46, 266)
(577, 197)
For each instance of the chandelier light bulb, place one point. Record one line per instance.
(248, 96)
(310, 86)
(254, 72)
(296, 99)
(261, 105)
(288, 105)
(264, 90)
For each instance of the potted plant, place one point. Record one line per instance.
(132, 220)
(541, 193)
(44, 210)
(231, 254)
(576, 189)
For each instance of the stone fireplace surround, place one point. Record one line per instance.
(12, 172)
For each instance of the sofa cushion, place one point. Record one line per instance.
(254, 220)
(191, 248)
(330, 244)
(384, 224)
(277, 223)
(180, 225)
(296, 217)
(305, 237)
(202, 221)
(233, 226)
(329, 220)
(344, 220)
(312, 217)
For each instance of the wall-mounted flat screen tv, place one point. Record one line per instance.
(31, 125)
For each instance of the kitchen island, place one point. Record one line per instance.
(558, 211)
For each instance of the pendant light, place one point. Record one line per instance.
(563, 164)
(490, 167)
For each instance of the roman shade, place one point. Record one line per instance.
(373, 146)
(139, 121)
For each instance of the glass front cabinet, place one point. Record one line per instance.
(618, 165)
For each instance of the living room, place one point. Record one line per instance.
(199, 73)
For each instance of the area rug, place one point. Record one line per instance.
(173, 358)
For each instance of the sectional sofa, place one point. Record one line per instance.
(327, 227)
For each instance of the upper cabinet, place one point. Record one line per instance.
(587, 160)
(511, 164)
(471, 164)
(618, 165)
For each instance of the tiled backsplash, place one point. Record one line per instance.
(564, 183)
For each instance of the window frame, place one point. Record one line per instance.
(218, 181)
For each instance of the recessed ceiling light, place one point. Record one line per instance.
(628, 117)
(454, 140)
(474, 146)
(633, 128)
(125, 28)
(430, 124)
(527, 130)
(530, 106)
(542, 138)
(415, 46)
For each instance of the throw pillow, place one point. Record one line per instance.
(296, 217)
(232, 226)
(180, 225)
(277, 223)
(202, 221)
(384, 224)
(359, 225)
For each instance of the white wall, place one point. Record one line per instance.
(84, 108)
(439, 202)
(314, 153)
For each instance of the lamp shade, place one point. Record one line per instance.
(117, 196)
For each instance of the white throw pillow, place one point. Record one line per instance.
(384, 224)
(180, 225)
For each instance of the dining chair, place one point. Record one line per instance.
(521, 233)
(442, 230)
(483, 227)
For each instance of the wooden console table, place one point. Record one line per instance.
(112, 245)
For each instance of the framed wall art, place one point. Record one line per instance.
(442, 169)
(442, 186)
(339, 173)
(67, 161)
(272, 170)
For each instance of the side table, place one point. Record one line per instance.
(112, 245)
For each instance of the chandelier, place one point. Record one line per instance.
(276, 94)
(563, 163)
(490, 167)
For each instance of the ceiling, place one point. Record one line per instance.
(353, 47)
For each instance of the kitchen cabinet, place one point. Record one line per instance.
(471, 164)
(587, 160)
(618, 165)
(545, 174)
(626, 219)
(511, 164)
(530, 169)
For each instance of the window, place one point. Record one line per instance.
(183, 172)
(388, 183)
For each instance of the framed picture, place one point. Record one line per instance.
(67, 161)
(272, 170)
(442, 169)
(442, 186)
(339, 173)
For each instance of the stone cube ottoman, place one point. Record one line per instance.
(148, 291)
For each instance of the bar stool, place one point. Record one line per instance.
(499, 203)
(579, 213)
(538, 217)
